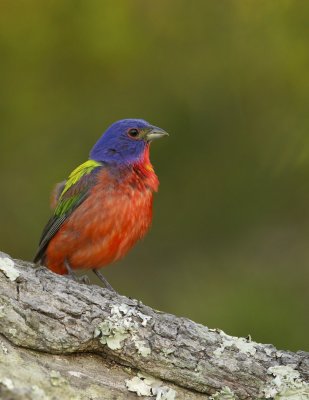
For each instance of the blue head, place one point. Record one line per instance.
(125, 141)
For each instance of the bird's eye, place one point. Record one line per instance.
(133, 132)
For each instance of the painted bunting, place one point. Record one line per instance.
(105, 205)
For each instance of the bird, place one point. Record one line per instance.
(105, 205)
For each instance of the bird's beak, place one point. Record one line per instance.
(155, 133)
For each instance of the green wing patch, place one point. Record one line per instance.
(65, 203)
(75, 191)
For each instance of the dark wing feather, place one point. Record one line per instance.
(56, 193)
(70, 199)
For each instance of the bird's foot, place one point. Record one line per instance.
(80, 279)
(84, 279)
(104, 280)
(71, 275)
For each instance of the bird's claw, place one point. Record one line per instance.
(84, 279)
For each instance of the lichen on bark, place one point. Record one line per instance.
(62, 339)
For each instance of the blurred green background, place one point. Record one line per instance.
(229, 80)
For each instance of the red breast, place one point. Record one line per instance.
(117, 213)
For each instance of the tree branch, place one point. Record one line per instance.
(86, 342)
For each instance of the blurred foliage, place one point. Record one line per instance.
(229, 80)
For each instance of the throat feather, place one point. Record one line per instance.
(144, 170)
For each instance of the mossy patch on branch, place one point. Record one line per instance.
(244, 345)
(124, 322)
(146, 385)
(286, 384)
(7, 266)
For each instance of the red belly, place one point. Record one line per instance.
(102, 229)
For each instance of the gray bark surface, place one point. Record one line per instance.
(60, 339)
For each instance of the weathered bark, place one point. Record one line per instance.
(61, 339)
